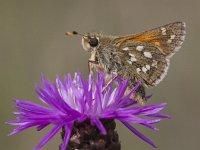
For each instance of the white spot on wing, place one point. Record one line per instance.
(125, 48)
(148, 54)
(129, 62)
(154, 64)
(169, 41)
(139, 48)
(172, 37)
(138, 70)
(163, 29)
(144, 69)
(133, 59)
(183, 38)
(148, 67)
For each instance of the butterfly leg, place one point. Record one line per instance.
(108, 79)
(108, 82)
(93, 65)
(90, 66)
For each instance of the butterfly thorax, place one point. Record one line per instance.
(108, 56)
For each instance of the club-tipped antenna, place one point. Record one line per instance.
(73, 33)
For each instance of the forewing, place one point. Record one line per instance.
(148, 53)
(167, 38)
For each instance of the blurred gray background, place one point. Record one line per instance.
(32, 42)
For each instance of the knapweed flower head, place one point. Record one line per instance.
(74, 100)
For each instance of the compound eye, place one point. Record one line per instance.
(93, 42)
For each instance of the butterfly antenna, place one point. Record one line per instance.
(73, 33)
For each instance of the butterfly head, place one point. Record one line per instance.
(90, 41)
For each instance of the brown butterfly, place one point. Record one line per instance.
(143, 56)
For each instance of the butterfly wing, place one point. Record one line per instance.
(148, 53)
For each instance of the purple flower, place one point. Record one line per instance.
(75, 100)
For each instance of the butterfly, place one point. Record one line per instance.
(137, 57)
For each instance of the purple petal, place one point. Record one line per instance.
(48, 136)
(159, 116)
(99, 125)
(23, 127)
(147, 110)
(16, 123)
(107, 95)
(149, 126)
(153, 121)
(68, 129)
(132, 119)
(140, 135)
(42, 126)
(133, 90)
(31, 107)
